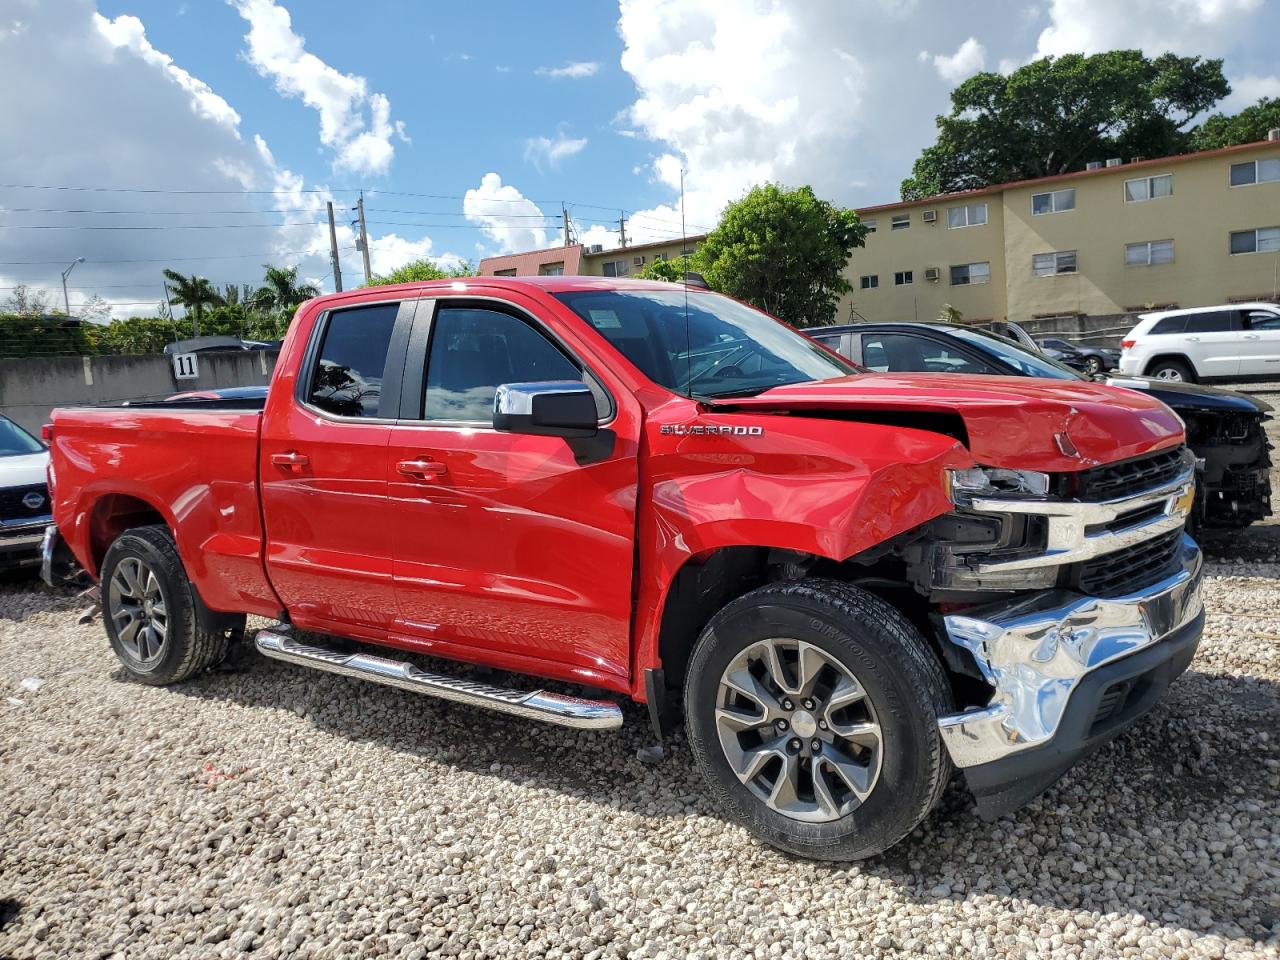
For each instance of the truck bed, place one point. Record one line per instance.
(192, 464)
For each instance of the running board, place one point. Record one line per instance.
(538, 705)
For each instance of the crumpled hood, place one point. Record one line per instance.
(23, 470)
(1011, 421)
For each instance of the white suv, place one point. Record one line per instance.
(1236, 341)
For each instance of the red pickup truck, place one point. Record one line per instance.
(843, 583)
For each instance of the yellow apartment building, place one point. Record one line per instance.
(1081, 251)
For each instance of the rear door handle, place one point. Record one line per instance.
(423, 467)
(1251, 336)
(1196, 339)
(290, 460)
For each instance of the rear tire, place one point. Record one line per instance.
(1175, 371)
(150, 610)
(1092, 366)
(843, 758)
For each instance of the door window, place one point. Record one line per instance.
(474, 351)
(903, 353)
(1220, 321)
(347, 378)
(1264, 320)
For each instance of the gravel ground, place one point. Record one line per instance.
(286, 812)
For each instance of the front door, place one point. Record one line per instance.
(508, 550)
(323, 472)
(1261, 355)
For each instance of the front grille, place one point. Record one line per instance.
(1234, 429)
(12, 507)
(1116, 480)
(1124, 571)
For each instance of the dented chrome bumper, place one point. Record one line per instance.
(1036, 652)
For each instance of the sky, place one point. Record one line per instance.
(207, 135)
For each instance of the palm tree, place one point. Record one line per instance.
(192, 292)
(281, 291)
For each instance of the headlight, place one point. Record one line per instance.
(963, 486)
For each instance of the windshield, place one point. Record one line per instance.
(726, 349)
(1021, 359)
(14, 441)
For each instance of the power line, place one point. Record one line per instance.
(94, 262)
(171, 226)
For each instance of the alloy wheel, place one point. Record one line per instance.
(798, 730)
(138, 611)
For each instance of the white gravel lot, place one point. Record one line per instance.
(287, 813)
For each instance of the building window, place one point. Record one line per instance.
(552, 269)
(1052, 264)
(1262, 240)
(870, 282)
(870, 225)
(902, 278)
(1148, 253)
(900, 222)
(660, 256)
(966, 274)
(509, 272)
(970, 215)
(1055, 201)
(615, 268)
(637, 261)
(1148, 188)
(1255, 171)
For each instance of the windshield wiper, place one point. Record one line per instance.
(740, 392)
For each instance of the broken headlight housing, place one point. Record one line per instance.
(965, 486)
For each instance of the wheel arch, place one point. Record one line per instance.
(110, 515)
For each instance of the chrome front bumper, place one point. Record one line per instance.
(47, 547)
(1035, 653)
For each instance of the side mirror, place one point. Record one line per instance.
(553, 408)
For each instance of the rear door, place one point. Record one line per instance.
(511, 550)
(323, 471)
(1214, 340)
(1261, 354)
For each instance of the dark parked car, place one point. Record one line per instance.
(1090, 360)
(1224, 428)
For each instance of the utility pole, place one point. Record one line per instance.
(684, 243)
(364, 240)
(333, 251)
(564, 213)
(66, 300)
(622, 228)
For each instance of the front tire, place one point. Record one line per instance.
(1092, 366)
(812, 711)
(150, 610)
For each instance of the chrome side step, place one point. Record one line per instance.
(538, 705)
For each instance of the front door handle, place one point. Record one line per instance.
(1196, 339)
(423, 467)
(290, 460)
(1251, 336)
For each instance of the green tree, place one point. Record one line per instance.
(1248, 126)
(419, 270)
(42, 335)
(672, 270)
(1055, 114)
(135, 335)
(784, 251)
(194, 293)
(281, 292)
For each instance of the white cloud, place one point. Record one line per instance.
(111, 112)
(969, 58)
(128, 33)
(549, 151)
(354, 122)
(1248, 90)
(506, 216)
(1205, 27)
(576, 70)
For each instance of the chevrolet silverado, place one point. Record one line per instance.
(842, 583)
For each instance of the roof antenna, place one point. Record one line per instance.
(684, 255)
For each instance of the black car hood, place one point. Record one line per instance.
(1192, 396)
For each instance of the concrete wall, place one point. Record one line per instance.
(30, 388)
